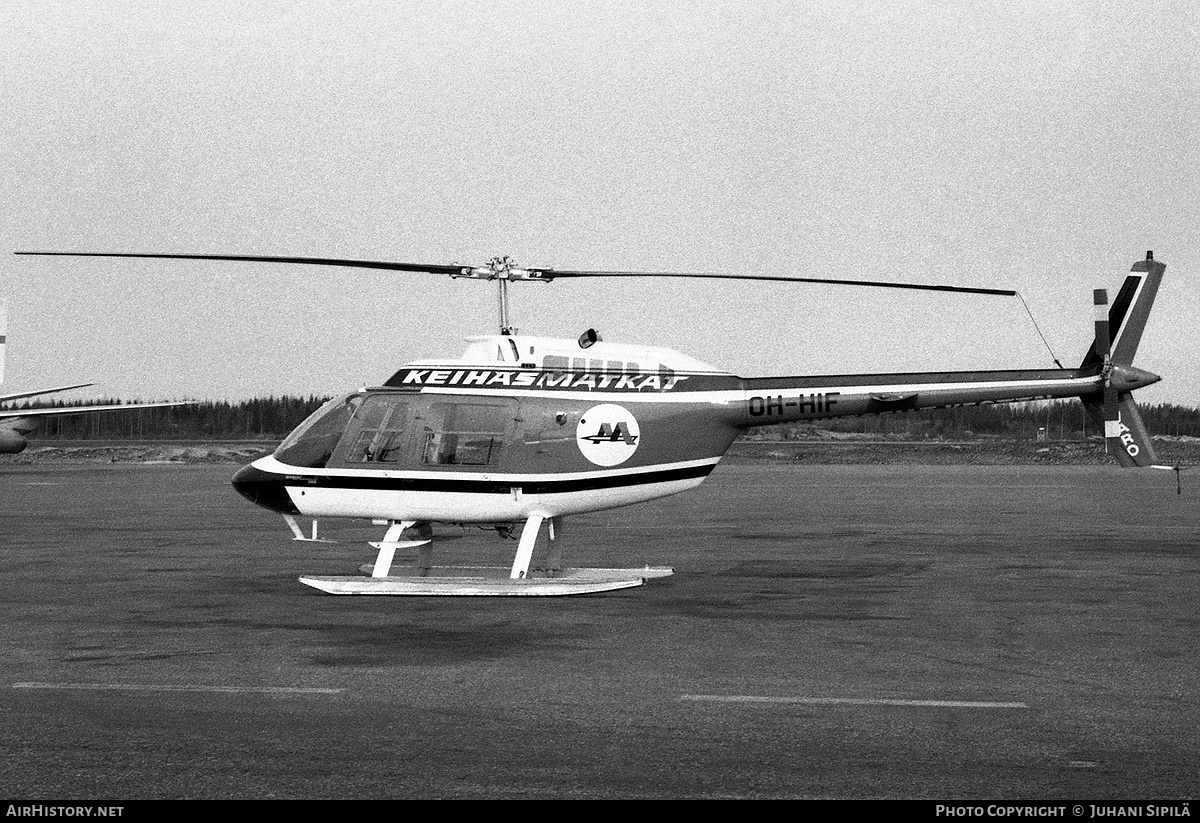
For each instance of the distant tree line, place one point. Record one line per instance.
(271, 418)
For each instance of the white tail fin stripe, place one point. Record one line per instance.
(1126, 322)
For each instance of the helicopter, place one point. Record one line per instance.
(17, 424)
(521, 431)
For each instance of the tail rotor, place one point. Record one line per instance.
(1110, 405)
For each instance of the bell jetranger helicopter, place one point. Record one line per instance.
(524, 431)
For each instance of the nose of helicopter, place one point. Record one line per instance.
(263, 488)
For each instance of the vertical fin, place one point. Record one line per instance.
(1118, 333)
(1129, 312)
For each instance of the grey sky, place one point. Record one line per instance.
(1042, 146)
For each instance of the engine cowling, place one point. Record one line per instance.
(11, 442)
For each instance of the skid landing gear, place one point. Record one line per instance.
(531, 574)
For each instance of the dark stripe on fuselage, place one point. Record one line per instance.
(468, 486)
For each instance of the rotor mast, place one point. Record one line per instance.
(502, 270)
(505, 328)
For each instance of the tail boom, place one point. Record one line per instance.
(771, 400)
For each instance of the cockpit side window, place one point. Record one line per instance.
(377, 432)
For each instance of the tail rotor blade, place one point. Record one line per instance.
(1111, 405)
(1112, 420)
(1103, 342)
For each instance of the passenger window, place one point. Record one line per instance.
(465, 434)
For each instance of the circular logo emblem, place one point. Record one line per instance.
(607, 434)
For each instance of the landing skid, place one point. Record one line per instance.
(546, 578)
(489, 582)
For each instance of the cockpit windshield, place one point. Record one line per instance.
(312, 443)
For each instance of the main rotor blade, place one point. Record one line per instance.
(312, 261)
(551, 274)
(531, 273)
